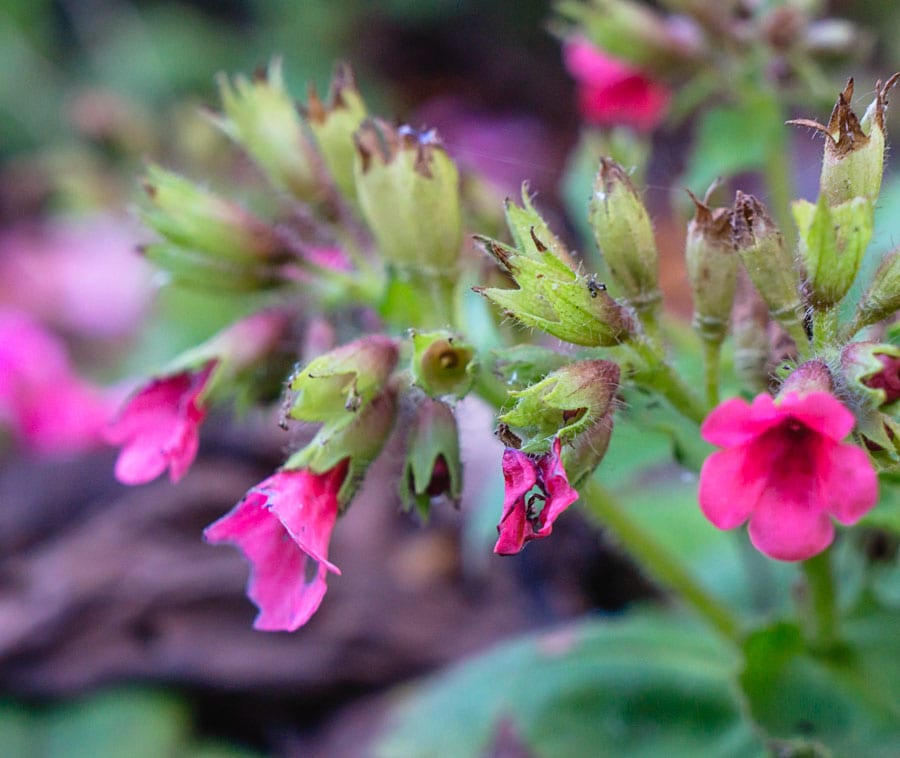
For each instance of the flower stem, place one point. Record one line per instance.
(819, 606)
(712, 352)
(665, 568)
(658, 375)
(825, 328)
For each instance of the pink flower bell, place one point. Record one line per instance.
(610, 92)
(283, 526)
(537, 491)
(785, 469)
(159, 427)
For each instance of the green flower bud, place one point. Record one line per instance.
(333, 126)
(564, 404)
(261, 117)
(553, 298)
(750, 337)
(433, 467)
(883, 297)
(832, 243)
(581, 457)
(198, 271)
(624, 235)
(198, 220)
(408, 191)
(768, 262)
(712, 269)
(442, 364)
(854, 150)
(334, 387)
(360, 439)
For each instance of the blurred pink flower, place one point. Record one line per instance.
(43, 401)
(537, 491)
(159, 427)
(611, 92)
(283, 527)
(785, 469)
(80, 275)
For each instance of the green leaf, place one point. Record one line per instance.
(649, 685)
(847, 702)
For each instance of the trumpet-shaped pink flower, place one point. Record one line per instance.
(610, 92)
(283, 526)
(159, 427)
(43, 401)
(537, 491)
(785, 469)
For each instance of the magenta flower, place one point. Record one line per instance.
(610, 92)
(785, 469)
(159, 427)
(44, 403)
(283, 526)
(537, 491)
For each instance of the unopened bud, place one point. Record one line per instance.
(853, 163)
(883, 297)
(334, 123)
(624, 235)
(335, 386)
(586, 451)
(872, 370)
(832, 243)
(564, 404)
(442, 364)
(408, 191)
(712, 269)
(809, 377)
(768, 262)
(433, 467)
(261, 116)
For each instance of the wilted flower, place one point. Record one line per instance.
(785, 469)
(611, 92)
(282, 525)
(537, 491)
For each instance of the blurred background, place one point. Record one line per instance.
(117, 624)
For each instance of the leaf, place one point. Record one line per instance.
(649, 685)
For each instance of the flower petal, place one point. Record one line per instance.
(851, 486)
(736, 422)
(790, 530)
(820, 411)
(726, 495)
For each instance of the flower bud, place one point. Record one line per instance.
(624, 235)
(198, 271)
(832, 243)
(872, 370)
(854, 150)
(809, 377)
(196, 219)
(586, 451)
(360, 440)
(883, 296)
(334, 387)
(334, 124)
(261, 117)
(433, 466)
(553, 298)
(442, 364)
(408, 191)
(767, 261)
(750, 337)
(712, 269)
(564, 404)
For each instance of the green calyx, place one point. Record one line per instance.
(442, 364)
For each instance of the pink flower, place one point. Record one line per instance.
(537, 491)
(785, 469)
(282, 525)
(611, 92)
(158, 427)
(43, 401)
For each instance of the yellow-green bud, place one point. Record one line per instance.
(853, 163)
(261, 116)
(334, 124)
(883, 297)
(832, 243)
(624, 235)
(408, 191)
(712, 269)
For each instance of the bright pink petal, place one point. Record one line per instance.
(790, 530)
(519, 476)
(588, 64)
(560, 494)
(851, 484)
(737, 422)
(726, 495)
(821, 412)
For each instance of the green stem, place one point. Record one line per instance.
(712, 353)
(665, 568)
(656, 374)
(825, 328)
(820, 603)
